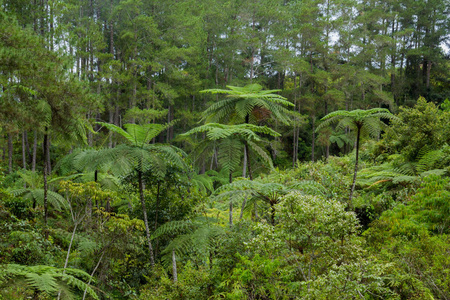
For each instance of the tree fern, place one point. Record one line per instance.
(139, 157)
(37, 195)
(241, 101)
(191, 237)
(266, 192)
(363, 123)
(47, 279)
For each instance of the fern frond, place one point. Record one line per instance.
(173, 228)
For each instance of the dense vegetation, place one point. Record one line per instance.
(224, 149)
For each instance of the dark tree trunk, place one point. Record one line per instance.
(313, 137)
(157, 205)
(27, 147)
(24, 152)
(247, 152)
(356, 168)
(47, 157)
(33, 160)
(272, 213)
(45, 144)
(10, 153)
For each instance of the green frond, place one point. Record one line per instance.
(142, 134)
(262, 154)
(309, 187)
(49, 280)
(199, 240)
(242, 101)
(173, 228)
(117, 129)
(202, 182)
(230, 154)
(217, 131)
(54, 199)
(429, 160)
(87, 246)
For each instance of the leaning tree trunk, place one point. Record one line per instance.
(358, 134)
(144, 210)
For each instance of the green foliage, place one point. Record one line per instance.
(243, 102)
(368, 121)
(192, 238)
(193, 283)
(47, 280)
(423, 128)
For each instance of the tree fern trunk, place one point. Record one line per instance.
(174, 267)
(247, 154)
(313, 137)
(244, 168)
(249, 166)
(10, 153)
(33, 161)
(358, 134)
(45, 144)
(244, 203)
(144, 210)
(47, 156)
(157, 206)
(24, 151)
(231, 214)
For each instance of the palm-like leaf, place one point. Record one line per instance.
(243, 100)
(363, 123)
(192, 237)
(55, 199)
(269, 193)
(49, 280)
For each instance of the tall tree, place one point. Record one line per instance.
(139, 156)
(248, 104)
(363, 123)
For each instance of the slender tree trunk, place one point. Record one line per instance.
(427, 81)
(295, 137)
(68, 251)
(70, 245)
(92, 274)
(157, 205)
(356, 169)
(144, 210)
(244, 168)
(33, 161)
(47, 156)
(45, 177)
(24, 156)
(231, 202)
(111, 120)
(174, 267)
(250, 175)
(313, 137)
(10, 153)
(244, 203)
(247, 154)
(231, 214)
(90, 135)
